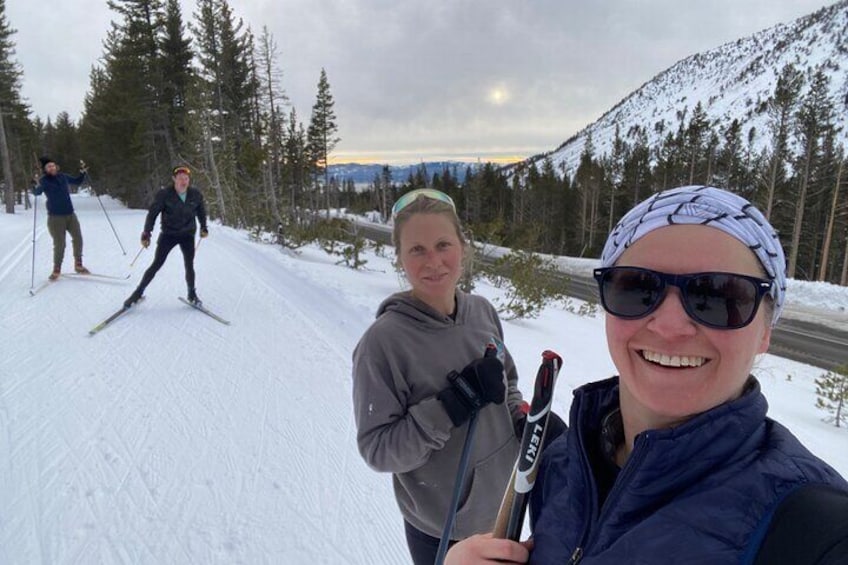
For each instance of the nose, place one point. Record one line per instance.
(430, 256)
(670, 319)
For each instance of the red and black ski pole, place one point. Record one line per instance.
(516, 496)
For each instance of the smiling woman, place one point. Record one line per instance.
(675, 460)
(420, 375)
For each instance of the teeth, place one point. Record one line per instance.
(673, 360)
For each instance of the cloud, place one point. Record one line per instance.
(469, 74)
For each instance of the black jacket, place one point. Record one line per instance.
(177, 216)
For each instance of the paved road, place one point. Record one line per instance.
(806, 342)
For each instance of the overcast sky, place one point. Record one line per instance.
(421, 80)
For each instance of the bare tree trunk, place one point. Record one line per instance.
(7, 167)
(584, 228)
(214, 175)
(692, 168)
(843, 280)
(611, 209)
(772, 183)
(799, 218)
(593, 215)
(829, 231)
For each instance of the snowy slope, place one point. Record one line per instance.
(732, 81)
(170, 438)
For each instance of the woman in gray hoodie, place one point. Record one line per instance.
(419, 372)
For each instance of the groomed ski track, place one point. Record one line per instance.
(171, 438)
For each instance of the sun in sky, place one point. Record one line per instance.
(498, 95)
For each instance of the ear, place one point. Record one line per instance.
(765, 339)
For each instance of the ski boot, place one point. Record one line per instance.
(55, 274)
(134, 297)
(79, 268)
(192, 297)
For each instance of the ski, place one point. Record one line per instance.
(206, 311)
(514, 504)
(35, 290)
(102, 325)
(96, 276)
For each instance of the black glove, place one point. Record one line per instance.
(145, 238)
(479, 383)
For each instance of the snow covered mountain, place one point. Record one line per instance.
(364, 174)
(733, 81)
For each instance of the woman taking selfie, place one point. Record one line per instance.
(675, 460)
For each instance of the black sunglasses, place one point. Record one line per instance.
(724, 301)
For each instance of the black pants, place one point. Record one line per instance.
(164, 245)
(422, 547)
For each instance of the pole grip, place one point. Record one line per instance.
(510, 518)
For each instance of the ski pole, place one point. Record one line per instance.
(34, 214)
(516, 496)
(137, 254)
(460, 480)
(491, 351)
(102, 207)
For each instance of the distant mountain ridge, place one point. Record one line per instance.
(732, 81)
(366, 173)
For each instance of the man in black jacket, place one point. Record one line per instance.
(179, 205)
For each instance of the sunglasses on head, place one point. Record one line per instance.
(724, 301)
(179, 170)
(414, 195)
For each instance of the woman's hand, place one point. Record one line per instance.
(486, 549)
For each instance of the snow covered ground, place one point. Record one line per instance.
(171, 438)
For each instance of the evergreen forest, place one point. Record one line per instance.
(211, 95)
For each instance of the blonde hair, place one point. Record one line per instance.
(424, 205)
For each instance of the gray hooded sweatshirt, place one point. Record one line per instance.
(399, 366)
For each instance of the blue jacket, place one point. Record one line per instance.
(57, 192)
(702, 492)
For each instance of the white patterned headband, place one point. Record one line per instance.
(709, 206)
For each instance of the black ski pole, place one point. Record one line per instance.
(516, 496)
(491, 351)
(102, 207)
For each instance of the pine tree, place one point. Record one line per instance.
(15, 129)
(177, 80)
(124, 122)
(272, 119)
(296, 170)
(837, 196)
(730, 160)
(227, 116)
(832, 394)
(781, 109)
(64, 145)
(696, 132)
(637, 171)
(321, 134)
(814, 122)
(588, 181)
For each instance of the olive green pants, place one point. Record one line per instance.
(57, 226)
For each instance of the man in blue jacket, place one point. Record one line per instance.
(60, 214)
